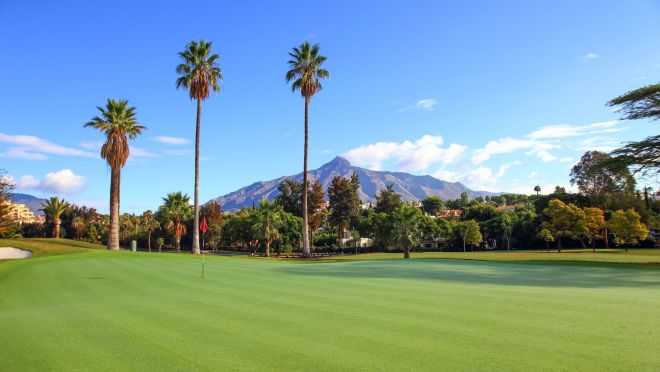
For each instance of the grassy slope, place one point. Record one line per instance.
(48, 247)
(116, 310)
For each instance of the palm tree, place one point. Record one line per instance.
(199, 73)
(406, 227)
(269, 220)
(151, 224)
(176, 210)
(537, 188)
(53, 208)
(119, 124)
(78, 224)
(305, 71)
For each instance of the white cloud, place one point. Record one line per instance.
(35, 148)
(178, 152)
(565, 130)
(23, 153)
(169, 140)
(603, 144)
(534, 174)
(139, 152)
(589, 57)
(427, 104)
(509, 145)
(64, 181)
(407, 155)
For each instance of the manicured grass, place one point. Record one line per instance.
(47, 247)
(102, 310)
(634, 257)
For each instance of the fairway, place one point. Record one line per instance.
(101, 310)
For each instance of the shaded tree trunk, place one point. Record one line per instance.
(267, 248)
(607, 240)
(149, 241)
(406, 252)
(113, 229)
(306, 250)
(177, 241)
(593, 244)
(547, 246)
(195, 247)
(559, 244)
(464, 245)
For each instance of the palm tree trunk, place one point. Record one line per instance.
(305, 250)
(113, 230)
(406, 252)
(149, 241)
(57, 223)
(267, 249)
(195, 247)
(177, 243)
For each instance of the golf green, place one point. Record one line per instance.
(99, 310)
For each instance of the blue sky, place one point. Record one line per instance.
(499, 95)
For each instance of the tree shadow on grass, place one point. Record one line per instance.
(480, 272)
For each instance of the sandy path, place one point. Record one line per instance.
(11, 253)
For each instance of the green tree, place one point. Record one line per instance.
(290, 197)
(627, 228)
(594, 221)
(305, 71)
(78, 224)
(565, 221)
(506, 223)
(407, 228)
(150, 224)
(547, 237)
(643, 156)
(537, 188)
(6, 187)
(469, 232)
(388, 200)
(199, 73)
(269, 221)
(176, 211)
(315, 207)
(118, 122)
(598, 182)
(432, 204)
(53, 208)
(342, 197)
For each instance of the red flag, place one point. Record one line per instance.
(203, 227)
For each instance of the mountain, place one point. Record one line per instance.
(32, 202)
(410, 187)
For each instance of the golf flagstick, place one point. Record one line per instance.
(203, 265)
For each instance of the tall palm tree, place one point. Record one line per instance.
(176, 210)
(118, 122)
(199, 73)
(269, 221)
(305, 71)
(151, 224)
(53, 208)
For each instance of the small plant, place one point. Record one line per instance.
(159, 243)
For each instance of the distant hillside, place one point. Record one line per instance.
(410, 187)
(32, 202)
